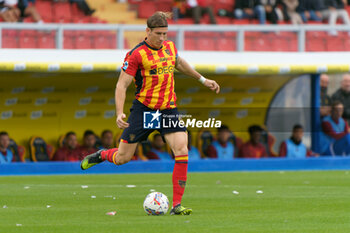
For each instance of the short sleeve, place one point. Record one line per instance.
(131, 64)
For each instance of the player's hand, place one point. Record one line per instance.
(120, 122)
(212, 85)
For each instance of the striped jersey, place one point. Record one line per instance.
(153, 72)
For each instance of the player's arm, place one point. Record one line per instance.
(120, 93)
(185, 68)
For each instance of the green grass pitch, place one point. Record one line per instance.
(290, 202)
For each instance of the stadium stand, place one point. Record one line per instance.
(135, 12)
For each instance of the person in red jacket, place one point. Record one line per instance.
(253, 148)
(70, 151)
(89, 142)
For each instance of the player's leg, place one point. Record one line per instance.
(178, 144)
(118, 156)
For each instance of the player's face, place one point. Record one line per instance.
(72, 142)
(337, 111)
(4, 141)
(107, 140)
(89, 141)
(156, 36)
(298, 134)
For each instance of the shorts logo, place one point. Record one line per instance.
(125, 65)
(151, 120)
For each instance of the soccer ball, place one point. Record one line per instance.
(156, 203)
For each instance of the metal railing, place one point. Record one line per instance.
(180, 30)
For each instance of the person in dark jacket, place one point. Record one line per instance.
(248, 9)
(310, 10)
(343, 95)
(326, 100)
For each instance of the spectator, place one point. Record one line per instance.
(325, 109)
(310, 10)
(157, 151)
(253, 148)
(244, 9)
(89, 142)
(289, 7)
(194, 9)
(8, 13)
(343, 95)
(82, 5)
(222, 148)
(22, 9)
(6, 155)
(335, 9)
(273, 13)
(107, 139)
(70, 150)
(335, 139)
(294, 147)
(193, 152)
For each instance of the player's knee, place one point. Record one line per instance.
(122, 158)
(181, 150)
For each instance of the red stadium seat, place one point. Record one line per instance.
(62, 10)
(83, 42)
(226, 44)
(9, 42)
(146, 9)
(76, 12)
(46, 41)
(335, 43)
(45, 10)
(206, 44)
(27, 42)
(241, 21)
(315, 45)
(190, 44)
(68, 42)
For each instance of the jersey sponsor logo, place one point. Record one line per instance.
(162, 70)
(151, 120)
(125, 65)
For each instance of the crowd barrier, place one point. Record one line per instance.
(271, 164)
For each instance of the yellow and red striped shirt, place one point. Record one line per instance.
(153, 72)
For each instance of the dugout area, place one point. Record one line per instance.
(50, 93)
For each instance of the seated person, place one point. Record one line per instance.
(89, 141)
(222, 148)
(107, 139)
(6, 155)
(70, 150)
(310, 10)
(253, 148)
(157, 151)
(335, 139)
(294, 147)
(249, 9)
(194, 8)
(193, 152)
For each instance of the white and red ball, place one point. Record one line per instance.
(156, 203)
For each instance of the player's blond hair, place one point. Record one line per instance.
(159, 19)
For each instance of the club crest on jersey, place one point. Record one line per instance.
(167, 51)
(125, 65)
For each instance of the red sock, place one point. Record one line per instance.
(109, 155)
(179, 178)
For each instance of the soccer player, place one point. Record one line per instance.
(151, 65)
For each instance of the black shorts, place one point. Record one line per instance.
(139, 129)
